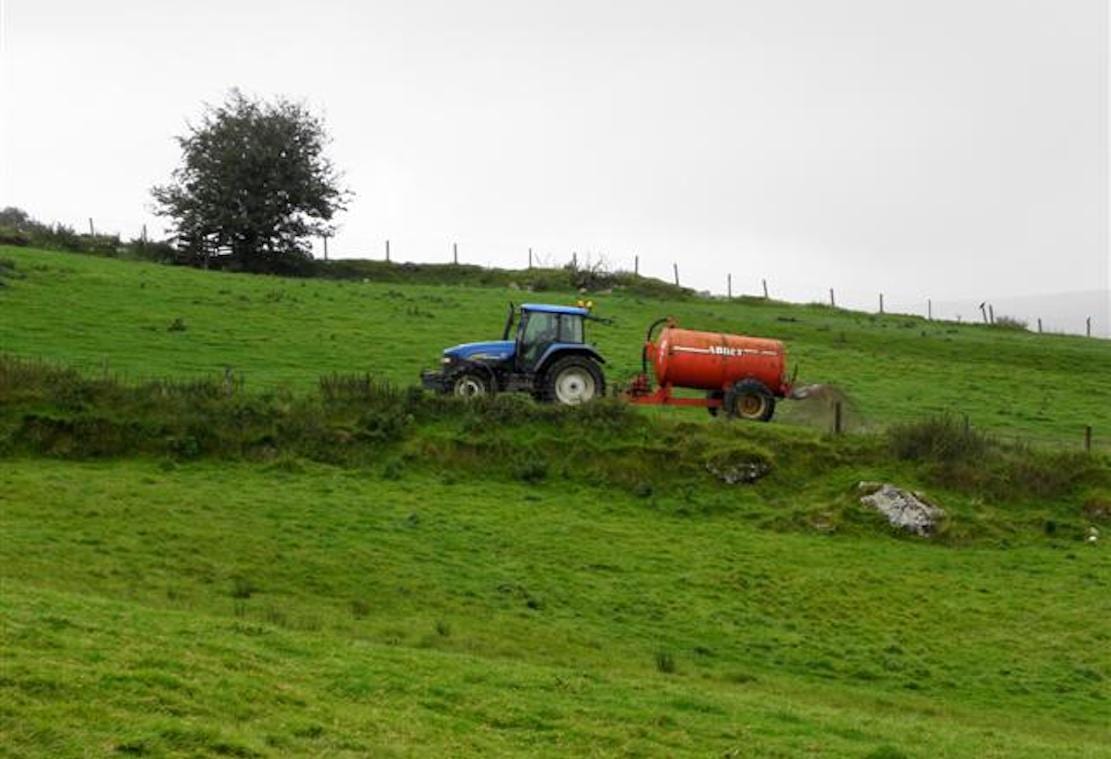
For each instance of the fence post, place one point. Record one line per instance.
(832, 302)
(455, 253)
(991, 314)
(764, 282)
(676, 268)
(636, 266)
(144, 233)
(1088, 326)
(729, 286)
(530, 258)
(929, 309)
(984, 312)
(387, 251)
(1039, 325)
(881, 303)
(92, 230)
(574, 260)
(837, 418)
(325, 247)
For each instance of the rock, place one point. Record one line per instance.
(904, 509)
(740, 472)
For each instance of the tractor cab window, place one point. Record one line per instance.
(570, 328)
(540, 329)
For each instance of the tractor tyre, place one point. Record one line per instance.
(715, 395)
(574, 380)
(470, 384)
(749, 399)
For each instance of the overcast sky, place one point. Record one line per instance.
(946, 149)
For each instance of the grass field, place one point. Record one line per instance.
(102, 314)
(320, 578)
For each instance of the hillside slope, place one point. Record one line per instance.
(107, 315)
(291, 567)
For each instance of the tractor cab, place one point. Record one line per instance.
(542, 329)
(543, 351)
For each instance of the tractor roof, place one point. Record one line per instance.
(548, 309)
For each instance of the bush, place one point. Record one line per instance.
(940, 438)
(1009, 322)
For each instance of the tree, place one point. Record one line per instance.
(254, 186)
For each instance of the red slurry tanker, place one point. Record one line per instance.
(741, 375)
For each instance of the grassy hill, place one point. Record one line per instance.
(115, 316)
(280, 568)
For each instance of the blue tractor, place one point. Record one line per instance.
(543, 351)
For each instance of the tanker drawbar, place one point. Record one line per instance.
(740, 375)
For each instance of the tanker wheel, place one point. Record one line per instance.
(715, 395)
(574, 380)
(470, 385)
(749, 399)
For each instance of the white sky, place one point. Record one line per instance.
(953, 149)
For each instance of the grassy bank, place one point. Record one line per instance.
(147, 321)
(208, 605)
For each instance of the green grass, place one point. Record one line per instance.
(116, 316)
(208, 607)
(194, 568)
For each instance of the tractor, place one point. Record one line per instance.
(543, 351)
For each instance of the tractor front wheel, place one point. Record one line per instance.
(574, 380)
(470, 385)
(749, 399)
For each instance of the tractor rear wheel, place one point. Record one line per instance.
(470, 385)
(574, 380)
(749, 399)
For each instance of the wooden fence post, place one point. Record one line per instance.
(144, 238)
(676, 268)
(929, 309)
(92, 229)
(729, 286)
(984, 312)
(574, 260)
(1088, 326)
(764, 282)
(387, 251)
(325, 247)
(455, 253)
(881, 303)
(530, 258)
(1039, 325)
(991, 314)
(832, 302)
(636, 266)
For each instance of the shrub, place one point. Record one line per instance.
(1009, 322)
(939, 438)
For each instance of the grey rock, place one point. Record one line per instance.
(738, 473)
(904, 509)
